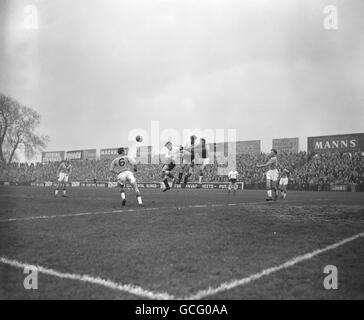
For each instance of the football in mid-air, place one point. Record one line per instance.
(139, 138)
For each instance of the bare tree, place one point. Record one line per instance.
(18, 126)
(8, 108)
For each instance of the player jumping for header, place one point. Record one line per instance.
(63, 171)
(271, 175)
(188, 160)
(202, 159)
(123, 166)
(169, 155)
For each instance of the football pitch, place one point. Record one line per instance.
(184, 244)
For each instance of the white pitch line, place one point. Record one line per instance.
(240, 282)
(128, 288)
(123, 211)
(59, 216)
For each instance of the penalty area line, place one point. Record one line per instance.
(290, 263)
(127, 288)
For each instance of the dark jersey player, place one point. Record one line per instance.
(188, 160)
(202, 159)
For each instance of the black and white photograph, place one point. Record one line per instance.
(201, 151)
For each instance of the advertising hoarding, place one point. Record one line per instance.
(52, 156)
(110, 153)
(289, 145)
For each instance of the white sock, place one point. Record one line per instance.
(269, 192)
(200, 179)
(64, 192)
(122, 194)
(56, 192)
(139, 199)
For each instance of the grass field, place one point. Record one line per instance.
(185, 244)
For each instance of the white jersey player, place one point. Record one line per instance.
(124, 166)
(283, 182)
(233, 178)
(169, 156)
(63, 172)
(271, 175)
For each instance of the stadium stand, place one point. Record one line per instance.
(308, 172)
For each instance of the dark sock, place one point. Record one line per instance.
(166, 183)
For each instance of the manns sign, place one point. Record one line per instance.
(340, 143)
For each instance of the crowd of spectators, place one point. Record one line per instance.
(306, 169)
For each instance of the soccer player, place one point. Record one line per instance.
(169, 155)
(233, 178)
(202, 160)
(63, 171)
(123, 166)
(188, 160)
(283, 182)
(271, 175)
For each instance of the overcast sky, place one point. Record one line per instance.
(95, 70)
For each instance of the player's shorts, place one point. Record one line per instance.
(168, 166)
(188, 160)
(188, 165)
(272, 175)
(233, 180)
(63, 177)
(283, 181)
(126, 176)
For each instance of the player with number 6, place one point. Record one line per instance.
(124, 166)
